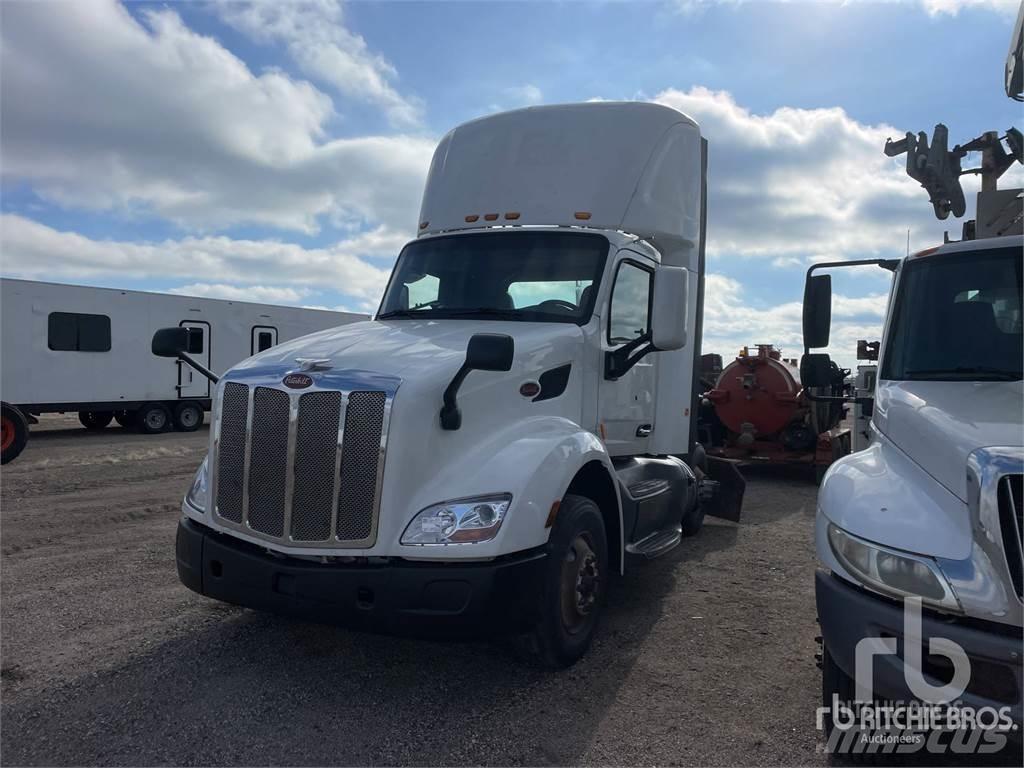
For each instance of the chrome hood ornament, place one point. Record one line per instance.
(313, 364)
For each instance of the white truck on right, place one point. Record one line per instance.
(919, 594)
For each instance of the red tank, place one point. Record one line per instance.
(758, 394)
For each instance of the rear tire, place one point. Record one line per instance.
(153, 418)
(13, 433)
(574, 584)
(125, 418)
(95, 420)
(188, 416)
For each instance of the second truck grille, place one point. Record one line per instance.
(288, 472)
(1011, 520)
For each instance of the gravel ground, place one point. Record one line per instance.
(705, 657)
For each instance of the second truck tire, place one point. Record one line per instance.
(188, 416)
(152, 418)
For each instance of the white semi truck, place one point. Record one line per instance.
(515, 422)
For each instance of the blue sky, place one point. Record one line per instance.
(276, 152)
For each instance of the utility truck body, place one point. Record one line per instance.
(85, 349)
(930, 510)
(513, 424)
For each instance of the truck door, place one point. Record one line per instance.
(626, 405)
(263, 337)
(192, 384)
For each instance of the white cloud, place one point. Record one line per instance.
(102, 112)
(931, 7)
(953, 7)
(732, 321)
(33, 250)
(324, 49)
(524, 95)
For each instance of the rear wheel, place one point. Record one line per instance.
(95, 420)
(125, 418)
(152, 418)
(13, 433)
(574, 585)
(188, 416)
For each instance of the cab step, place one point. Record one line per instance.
(657, 543)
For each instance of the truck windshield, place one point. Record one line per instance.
(530, 276)
(957, 318)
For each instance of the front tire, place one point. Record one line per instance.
(13, 433)
(575, 584)
(95, 420)
(153, 418)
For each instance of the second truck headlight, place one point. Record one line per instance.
(196, 496)
(464, 521)
(901, 574)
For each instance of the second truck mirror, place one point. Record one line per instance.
(815, 370)
(817, 311)
(668, 323)
(170, 342)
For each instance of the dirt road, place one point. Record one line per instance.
(705, 656)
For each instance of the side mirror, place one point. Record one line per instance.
(170, 342)
(815, 370)
(485, 352)
(817, 311)
(668, 323)
(490, 352)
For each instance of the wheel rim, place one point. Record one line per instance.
(156, 419)
(189, 417)
(6, 433)
(581, 584)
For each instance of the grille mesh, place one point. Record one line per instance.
(268, 462)
(1011, 519)
(316, 447)
(231, 457)
(364, 419)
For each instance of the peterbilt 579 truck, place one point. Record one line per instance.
(515, 422)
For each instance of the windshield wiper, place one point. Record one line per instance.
(971, 370)
(400, 313)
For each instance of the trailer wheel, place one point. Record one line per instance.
(13, 433)
(125, 418)
(152, 418)
(188, 416)
(95, 420)
(574, 584)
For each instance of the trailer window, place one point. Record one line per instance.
(78, 332)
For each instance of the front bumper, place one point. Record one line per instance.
(848, 614)
(396, 597)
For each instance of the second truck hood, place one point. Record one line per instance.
(938, 424)
(408, 348)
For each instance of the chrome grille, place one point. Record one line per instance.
(1011, 522)
(285, 470)
(234, 413)
(360, 461)
(268, 461)
(316, 443)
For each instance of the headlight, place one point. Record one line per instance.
(896, 573)
(196, 496)
(465, 521)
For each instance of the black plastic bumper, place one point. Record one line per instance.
(398, 597)
(848, 614)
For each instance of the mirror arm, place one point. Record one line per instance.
(618, 361)
(451, 416)
(199, 367)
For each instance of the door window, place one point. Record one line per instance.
(629, 316)
(195, 341)
(264, 341)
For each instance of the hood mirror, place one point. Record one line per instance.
(485, 352)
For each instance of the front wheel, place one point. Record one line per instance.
(575, 583)
(13, 433)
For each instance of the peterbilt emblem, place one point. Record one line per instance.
(297, 381)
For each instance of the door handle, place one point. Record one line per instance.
(644, 430)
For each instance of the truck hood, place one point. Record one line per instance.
(938, 424)
(411, 349)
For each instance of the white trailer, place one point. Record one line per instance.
(85, 349)
(515, 423)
